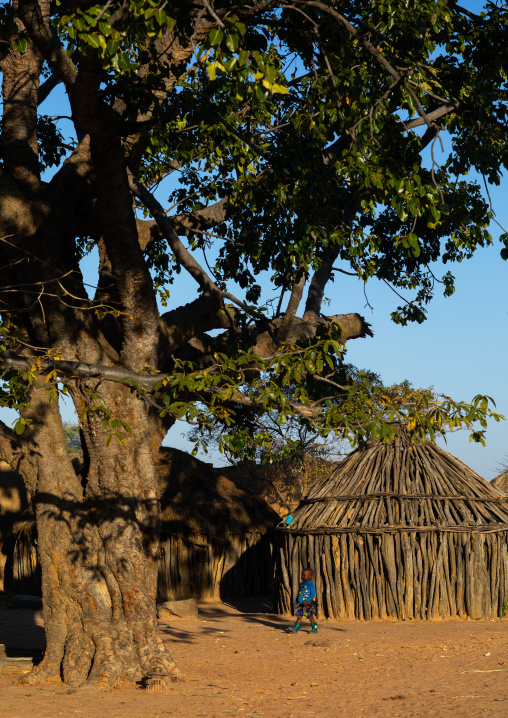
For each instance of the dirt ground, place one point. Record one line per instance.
(239, 661)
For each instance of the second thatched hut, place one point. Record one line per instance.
(399, 530)
(216, 538)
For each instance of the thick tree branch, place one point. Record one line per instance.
(433, 115)
(202, 348)
(79, 369)
(47, 87)
(183, 324)
(202, 219)
(183, 256)
(49, 45)
(293, 304)
(73, 186)
(352, 326)
(317, 286)
(145, 381)
(184, 224)
(20, 84)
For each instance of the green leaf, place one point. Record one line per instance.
(232, 42)
(212, 70)
(94, 39)
(20, 44)
(215, 36)
(261, 93)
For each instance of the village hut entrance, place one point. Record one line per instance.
(399, 530)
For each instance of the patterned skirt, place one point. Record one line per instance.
(309, 610)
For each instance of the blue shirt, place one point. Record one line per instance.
(306, 592)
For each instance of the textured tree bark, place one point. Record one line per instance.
(98, 545)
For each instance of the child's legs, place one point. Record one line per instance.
(308, 611)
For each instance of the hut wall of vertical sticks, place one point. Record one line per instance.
(399, 530)
(19, 568)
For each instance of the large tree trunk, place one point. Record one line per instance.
(98, 544)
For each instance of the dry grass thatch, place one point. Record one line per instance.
(501, 482)
(400, 530)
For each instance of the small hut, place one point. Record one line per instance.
(217, 538)
(399, 530)
(501, 482)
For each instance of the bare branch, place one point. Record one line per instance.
(433, 115)
(370, 47)
(213, 13)
(183, 256)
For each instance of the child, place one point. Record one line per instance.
(305, 604)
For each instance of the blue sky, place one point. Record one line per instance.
(460, 350)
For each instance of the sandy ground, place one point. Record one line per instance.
(239, 661)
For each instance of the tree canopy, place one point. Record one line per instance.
(286, 141)
(295, 151)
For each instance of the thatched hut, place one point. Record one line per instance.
(501, 482)
(216, 537)
(399, 530)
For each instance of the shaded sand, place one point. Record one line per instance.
(239, 661)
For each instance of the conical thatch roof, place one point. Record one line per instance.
(196, 498)
(501, 482)
(402, 485)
